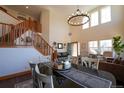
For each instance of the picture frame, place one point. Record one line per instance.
(60, 45)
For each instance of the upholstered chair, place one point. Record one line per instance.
(107, 54)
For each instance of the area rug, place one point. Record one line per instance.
(25, 84)
(86, 79)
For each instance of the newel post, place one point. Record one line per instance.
(54, 55)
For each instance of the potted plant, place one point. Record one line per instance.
(118, 47)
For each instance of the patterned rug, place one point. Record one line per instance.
(25, 84)
(85, 79)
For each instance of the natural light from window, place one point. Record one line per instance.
(106, 14)
(85, 26)
(98, 47)
(75, 49)
(93, 47)
(94, 18)
(105, 45)
(98, 17)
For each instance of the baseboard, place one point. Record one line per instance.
(15, 75)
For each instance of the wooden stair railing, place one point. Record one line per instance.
(42, 46)
(28, 28)
(5, 38)
(10, 32)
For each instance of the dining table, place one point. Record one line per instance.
(78, 76)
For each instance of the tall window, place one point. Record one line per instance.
(93, 47)
(85, 26)
(94, 18)
(96, 47)
(105, 45)
(106, 14)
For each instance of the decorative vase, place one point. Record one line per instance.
(67, 65)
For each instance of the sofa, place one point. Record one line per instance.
(116, 69)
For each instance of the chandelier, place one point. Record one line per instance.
(78, 18)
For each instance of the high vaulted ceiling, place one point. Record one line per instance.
(36, 10)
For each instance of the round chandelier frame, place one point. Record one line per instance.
(75, 15)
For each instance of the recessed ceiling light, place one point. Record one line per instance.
(27, 7)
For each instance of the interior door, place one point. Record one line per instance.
(74, 49)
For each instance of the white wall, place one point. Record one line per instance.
(102, 31)
(17, 13)
(14, 60)
(44, 20)
(58, 28)
(54, 27)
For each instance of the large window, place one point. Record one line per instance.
(93, 47)
(100, 16)
(105, 45)
(94, 18)
(98, 47)
(85, 26)
(106, 14)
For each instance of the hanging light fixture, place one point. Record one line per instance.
(78, 18)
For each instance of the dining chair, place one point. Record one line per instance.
(84, 62)
(95, 64)
(32, 66)
(89, 62)
(107, 54)
(44, 81)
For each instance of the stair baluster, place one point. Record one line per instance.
(10, 33)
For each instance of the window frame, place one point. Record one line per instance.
(86, 24)
(97, 18)
(98, 46)
(105, 47)
(93, 46)
(104, 16)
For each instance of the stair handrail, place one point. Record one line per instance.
(54, 52)
(33, 26)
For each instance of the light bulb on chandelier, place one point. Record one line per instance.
(76, 19)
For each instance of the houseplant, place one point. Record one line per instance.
(118, 47)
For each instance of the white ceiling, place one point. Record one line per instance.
(35, 10)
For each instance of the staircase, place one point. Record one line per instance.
(25, 34)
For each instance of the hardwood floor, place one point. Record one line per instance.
(9, 83)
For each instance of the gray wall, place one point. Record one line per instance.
(13, 60)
